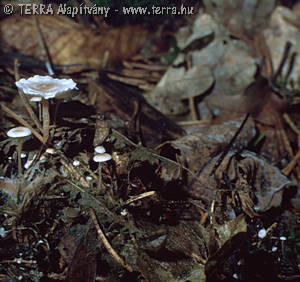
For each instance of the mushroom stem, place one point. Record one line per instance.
(19, 149)
(46, 120)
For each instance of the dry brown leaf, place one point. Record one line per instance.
(258, 183)
(69, 42)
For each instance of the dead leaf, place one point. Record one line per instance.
(178, 84)
(69, 42)
(229, 60)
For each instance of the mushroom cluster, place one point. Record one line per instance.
(100, 157)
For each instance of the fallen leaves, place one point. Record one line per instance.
(70, 43)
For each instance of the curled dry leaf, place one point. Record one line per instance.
(264, 186)
(70, 43)
(257, 184)
(229, 59)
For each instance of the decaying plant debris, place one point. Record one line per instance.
(215, 199)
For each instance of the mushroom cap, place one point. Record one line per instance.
(100, 149)
(18, 132)
(76, 163)
(46, 86)
(99, 158)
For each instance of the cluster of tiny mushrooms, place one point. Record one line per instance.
(41, 89)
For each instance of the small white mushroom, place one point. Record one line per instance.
(99, 158)
(88, 178)
(100, 149)
(76, 163)
(19, 132)
(262, 233)
(50, 151)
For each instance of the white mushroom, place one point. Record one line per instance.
(46, 87)
(50, 151)
(76, 163)
(99, 158)
(19, 132)
(100, 149)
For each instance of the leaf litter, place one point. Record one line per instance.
(214, 199)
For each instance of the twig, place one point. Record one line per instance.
(193, 122)
(23, 122)
(290, 67)
(199, 259)
(288, 169)
(284, 58)
(192, 108)
(226, 150)
(291, 123)
(141, 196)
(43, 47)
(285, 139)
(18, 261)
(107, 244)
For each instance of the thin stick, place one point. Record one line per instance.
(25, 101)
(228, 147)
(192, 108)
(23, 122)
(288, 169)
(291, 123)
(285, 139)
(43, 47)
(284, 58)
(107, 245)
(141, 196)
